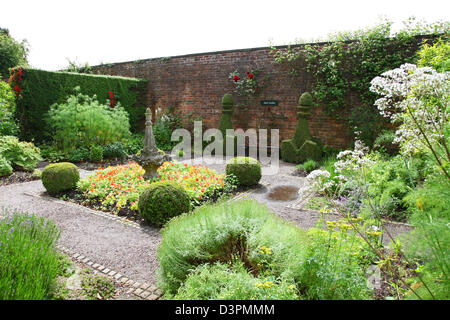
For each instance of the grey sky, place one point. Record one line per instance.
(113, 31)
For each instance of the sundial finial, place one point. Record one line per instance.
(148, 115)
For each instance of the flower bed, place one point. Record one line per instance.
(117, 188)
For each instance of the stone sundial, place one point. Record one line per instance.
(151, 158)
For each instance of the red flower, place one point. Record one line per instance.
(250, 75)
(236, 78)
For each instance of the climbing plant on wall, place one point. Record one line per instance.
(346, 65)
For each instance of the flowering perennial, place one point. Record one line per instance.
(112, 99)
(247, 86)
(15, 78)
(417, 100)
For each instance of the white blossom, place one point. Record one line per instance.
(416, 100)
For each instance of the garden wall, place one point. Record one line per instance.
(194, 85)
(40, 89)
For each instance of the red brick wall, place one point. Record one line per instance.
(194, 85)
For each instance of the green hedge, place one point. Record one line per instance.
(41, 89)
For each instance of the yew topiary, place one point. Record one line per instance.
(303, 145)
(225, 121)
(247, 170)
(162, 201)
(58, 177)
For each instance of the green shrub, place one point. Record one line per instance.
(389, 181)
(22, 155)
(226, 232)
(247, 170)
(95, 285)
(5, 167)
(334, 267)
(222, 282)
(134, 144)
(8, 125)
(29, 259)
(42, 89)
(82, 121)
(52, 154)
(78, 155)
(436, 56)
(162, 201)
(96, 153)
(310, 165)
(58, 177)
(114, 150)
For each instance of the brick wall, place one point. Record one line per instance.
(194, 85)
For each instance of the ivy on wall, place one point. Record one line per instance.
(345, 66)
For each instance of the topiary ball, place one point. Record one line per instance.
(162, 201)
(247, 170)
(59, 177)
(305, 99)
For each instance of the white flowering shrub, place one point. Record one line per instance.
(314, 182)
(416, 101)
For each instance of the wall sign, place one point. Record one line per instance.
(269, 102)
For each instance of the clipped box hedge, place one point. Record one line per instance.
(41, 89)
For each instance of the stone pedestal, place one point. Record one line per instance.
(150, 158)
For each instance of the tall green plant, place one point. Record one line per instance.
(7, 109)
(82, 122)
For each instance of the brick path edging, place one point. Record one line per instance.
(142, 290)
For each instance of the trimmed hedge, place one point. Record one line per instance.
(59, 177)
(41, 89)
(162, 201)
(247, 170)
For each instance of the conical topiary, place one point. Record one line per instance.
(225, 120)
(302, 146)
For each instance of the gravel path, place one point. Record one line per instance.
(131, 250)
(126, 249)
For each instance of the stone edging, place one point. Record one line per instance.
(142, 290)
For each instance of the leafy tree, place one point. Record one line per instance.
(12, 52)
